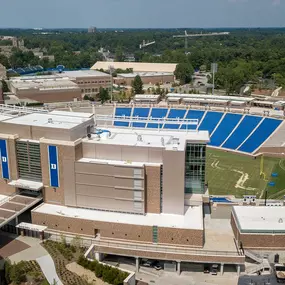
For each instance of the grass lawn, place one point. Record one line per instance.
(228, 173)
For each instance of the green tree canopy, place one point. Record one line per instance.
(184, 72)
(103, 95)
(137, 85)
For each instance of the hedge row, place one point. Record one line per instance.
(107, 273)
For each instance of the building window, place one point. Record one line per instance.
(154, 234)
(137, 184)
(138, 195)
(138, 206)
(137, 173)
(82, 90)
(195, 164)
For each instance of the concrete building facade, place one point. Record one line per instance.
(147, 78)
(89, 81)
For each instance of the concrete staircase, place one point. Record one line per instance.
(252, 255)
(262, 263)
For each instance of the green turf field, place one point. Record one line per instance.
(233, 174)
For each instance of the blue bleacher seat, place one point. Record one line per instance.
(265, 129)
(210, 121)
(193, 114)
(122, 112)
(246, 126)
(224, 129)
(140, 113)
(157, 113)
(175, 114)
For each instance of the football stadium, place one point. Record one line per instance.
(147, 181)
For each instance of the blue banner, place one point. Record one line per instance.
(53, 166)
(4, 159)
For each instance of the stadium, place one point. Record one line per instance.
(157, 181)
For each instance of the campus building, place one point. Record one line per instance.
(126, 189)
(146, 77)
(89, 81)
(60, 87)
(44, 89)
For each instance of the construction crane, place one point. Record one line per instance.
(186, 36)
(146, 44)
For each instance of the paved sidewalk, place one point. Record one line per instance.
(48, 268)
(32, 253)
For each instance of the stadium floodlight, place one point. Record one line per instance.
(111, 70)
(214, 69)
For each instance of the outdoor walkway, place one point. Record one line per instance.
(48, 268)
(36, 252)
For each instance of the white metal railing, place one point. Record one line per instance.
(87, 242)
(4, 108)
(131, 119)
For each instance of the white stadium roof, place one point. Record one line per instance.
(136, 66)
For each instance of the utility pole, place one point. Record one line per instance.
(111, 69)
(214, 69)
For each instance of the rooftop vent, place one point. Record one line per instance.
(162, 141)
(280, 221)
(139, 138)
(50, 120)
(89, 136)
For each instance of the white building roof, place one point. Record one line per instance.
(193, 218)
(165, 139)
(146, 96)
(260, 218)
(3, 117)
(71, 114)
(144, 74)
(47, 120)
(42, 83)
(137, 66)
(211, 97)
(82, 73)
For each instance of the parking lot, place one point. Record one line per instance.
(191, 274)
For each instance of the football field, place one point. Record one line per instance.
(228, 173)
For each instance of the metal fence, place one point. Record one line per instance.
(87, 242)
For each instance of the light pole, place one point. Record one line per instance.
(111, 69)
(214, 69)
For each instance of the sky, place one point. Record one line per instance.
(141, 13)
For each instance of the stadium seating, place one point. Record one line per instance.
(157, 113)
(225, 128)
(121, 112)
(244, 133)
(140, 113)
(246, 126)
(265, 129)
(194, 115)
(210, 121)
(175, 114)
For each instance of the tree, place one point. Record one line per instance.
(4, 86)
(184, 72)
(103, 95)
(137, 85)
(119, 56)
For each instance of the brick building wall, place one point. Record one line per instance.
(51, 96)
(66, 154)
(118, 231)
(152, 187)
(258, 240)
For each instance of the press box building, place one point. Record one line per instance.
(121, 186)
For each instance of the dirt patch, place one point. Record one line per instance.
(88, 275)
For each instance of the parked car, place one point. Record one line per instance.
(147, 263)
(156, 265)
(214, 269)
